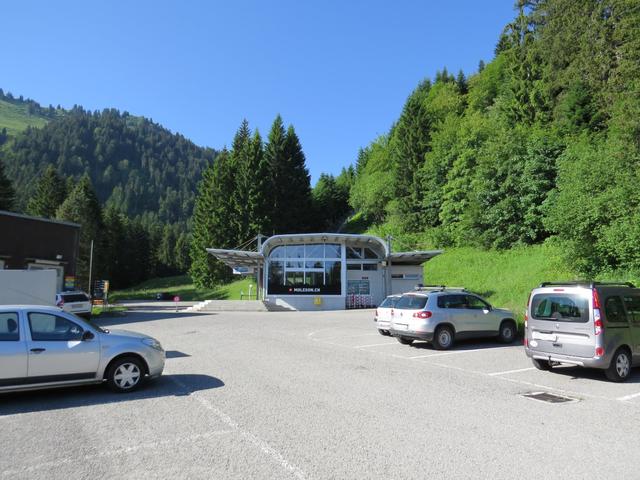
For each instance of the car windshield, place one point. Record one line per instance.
(75, 297)
(412, 302)
(560, 307)
(389, 302)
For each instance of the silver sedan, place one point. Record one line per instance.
(45, 347)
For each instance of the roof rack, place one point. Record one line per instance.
(589, 284)
(437, 288)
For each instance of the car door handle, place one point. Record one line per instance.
(38, 350)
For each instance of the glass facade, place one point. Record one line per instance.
(309, 269)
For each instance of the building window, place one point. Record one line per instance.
(361, 253)
(358, 287)
(362, 266)
(305, 269)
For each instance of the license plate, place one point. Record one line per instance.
(544, 336)
(76, 307)
(400, 326)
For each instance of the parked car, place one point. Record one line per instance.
(164, 296)
(441, 315)
(383, 314)
(78, 303)
(45, 347)
(589, 324)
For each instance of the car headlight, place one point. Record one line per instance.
(152, 342)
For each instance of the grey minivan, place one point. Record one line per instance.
(589, 324)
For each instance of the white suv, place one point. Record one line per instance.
(76, 302)
(441, 315)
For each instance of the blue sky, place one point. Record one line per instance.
(339, 71)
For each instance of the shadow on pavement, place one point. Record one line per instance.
(579, 373)
(471, 344)
(145, 316)
(71, 397)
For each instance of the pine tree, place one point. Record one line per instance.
(260, 188)
(115, 247)
(275, 156)
(82, 206)
(7, 193)
(240, 160)
(212, 222)
(296, 189)
(49, 194)
(410, 144)
(461, 83)
(181, 254)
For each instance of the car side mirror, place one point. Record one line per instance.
(87, 335)
(486, 310)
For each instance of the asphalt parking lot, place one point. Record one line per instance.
(323, 395)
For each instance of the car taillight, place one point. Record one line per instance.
(526, 340)
(596, 299)
(599, 352)
(423, 314)
(597, 325)
(60, 303)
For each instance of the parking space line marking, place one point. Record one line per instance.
(376, 345)
(253, 439)
(628, 397)
(494, 374)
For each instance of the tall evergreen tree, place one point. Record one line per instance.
(275, 156)
(82, 206)
(240, 160)
(296, 189)
(212, 222)
(258, 181)
(49, 194)
(181, 254)
(410, 144)
(7, 193)
(114, 241)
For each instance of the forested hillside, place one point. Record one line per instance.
(129, 182)
(543, 141)
(135, 165)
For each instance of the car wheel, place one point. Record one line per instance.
(541, 364)
(405, 340)
(125, 375)
(443, 339)
(508, 331)
(620, 366)
(383, 332)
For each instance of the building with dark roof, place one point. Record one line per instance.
(32, 243)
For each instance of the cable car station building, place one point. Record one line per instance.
(327, 271)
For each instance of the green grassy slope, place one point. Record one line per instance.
(505, 278)
(184, 288)
(15, 118)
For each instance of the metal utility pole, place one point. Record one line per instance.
(90, 268)
(259, 269)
